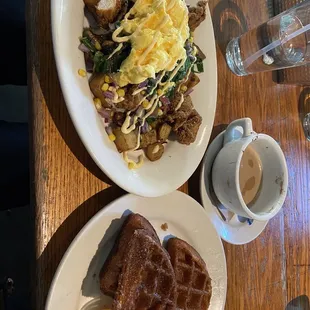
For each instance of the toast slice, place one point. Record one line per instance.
(147, 280)
(112, 268)
(104, 11)
(193, 281)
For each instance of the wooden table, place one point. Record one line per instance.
(68, 188)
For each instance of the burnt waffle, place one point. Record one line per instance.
(147, 280)
(109, 274)
(193, 281)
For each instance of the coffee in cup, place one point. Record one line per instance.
(249, 174)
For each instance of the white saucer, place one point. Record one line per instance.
(232, 230)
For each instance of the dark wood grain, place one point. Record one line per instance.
(274, 269)
(68, 188)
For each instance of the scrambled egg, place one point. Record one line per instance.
(157, 31)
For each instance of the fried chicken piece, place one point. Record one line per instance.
(104, 11)
(179, 117)
(197, 15)
(187, 133)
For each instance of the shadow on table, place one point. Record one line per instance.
(229, 22)
(57, 246)
(50, 88)
(299, 303)
(91, 288)
(194, 181)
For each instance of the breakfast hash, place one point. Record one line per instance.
(144, 64)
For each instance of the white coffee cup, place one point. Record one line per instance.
(225, 173)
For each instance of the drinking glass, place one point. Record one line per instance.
(281, 42)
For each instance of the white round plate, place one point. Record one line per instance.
(179, 161)
(232, 230)
(76, 280)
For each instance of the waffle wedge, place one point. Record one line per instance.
(193, 281)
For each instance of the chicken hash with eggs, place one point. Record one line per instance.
(144, 65)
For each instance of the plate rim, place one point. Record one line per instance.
(106, 209)
(116, 179)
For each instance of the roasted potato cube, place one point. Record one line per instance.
(130, 102)
(154, 151)
(95, 85)
(148, 138)
(164, 132)
(125, 142)
(192, 81)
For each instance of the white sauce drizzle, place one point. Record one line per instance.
(130, 161)
(138, 140)
(126, 127)
(149, 48)
(119, 47)
(115, 34)
(126, 124)
(180, 103)
(139, 90)
(156, 149)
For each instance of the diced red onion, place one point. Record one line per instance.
(105, 113)
(158, 76)
(83, 48)
(192, 58)
(108, 130)
(112, 26)
(165, 100)
(189, 91)
(145, 128)
(143, 84)
(113, 84)
(108, 94)
(89, 65)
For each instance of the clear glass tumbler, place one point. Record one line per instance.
(281, 42)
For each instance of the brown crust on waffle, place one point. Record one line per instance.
(110, 272)
(147, 280)
(193, 281)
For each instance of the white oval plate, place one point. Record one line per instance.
(179, 161)
(76, 281)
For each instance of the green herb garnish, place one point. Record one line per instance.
(183, 71)
(199, 65)
(88, 43)
(170, 92)
(150, 120)
(104, 65)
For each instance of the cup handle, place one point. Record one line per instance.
(245, 123)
